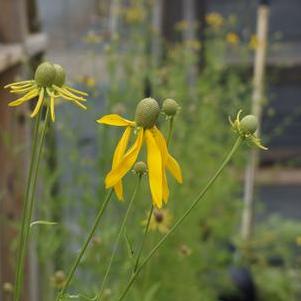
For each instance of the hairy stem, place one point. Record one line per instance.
(38, 142)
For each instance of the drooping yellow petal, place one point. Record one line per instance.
(19, 84)
(118, 154)
(174, 168)
(154, 163)
(39, 103)
(64, 92)
(20, 91)
(165, 189)
(75, 91)
(76, 102)
(170, 162)
(160, 140)
(115, 119)
(128, 160)
(52, 113)
(24, 98)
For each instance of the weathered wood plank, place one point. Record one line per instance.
(12, 54)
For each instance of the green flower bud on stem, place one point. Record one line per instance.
(140, 168)
(170, 107)
(147, 113)
(45, 74)
(60, 75)
(159, 217)
(249, 124)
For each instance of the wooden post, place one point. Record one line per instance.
(257, 102)
(172, 14)
(114, 16)
(13, 133)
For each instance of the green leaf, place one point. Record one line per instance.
(47, 223)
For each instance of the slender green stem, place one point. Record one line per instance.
(144, 239)
(85, 245)
(117, 240)
(181, 219)
(29, 201)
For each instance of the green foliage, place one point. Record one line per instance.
(194, 263)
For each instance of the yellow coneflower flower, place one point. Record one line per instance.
(232, 38)
(182, 25)
(134, 14)
(215, 20)
(158, 157)
(160, 220)
(58, 280)
(49, 80)
(253, 43)
(93, 38)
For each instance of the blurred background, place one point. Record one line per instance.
(214, 57)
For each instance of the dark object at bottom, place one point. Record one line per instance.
(243, 282)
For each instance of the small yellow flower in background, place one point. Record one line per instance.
(298, 241)
(158, 157)
(58, 280)
(215, 20)
(182, 25)
(8, 288)
(193, 44)
(246, 128)
(134, 14)
(232, 38)
(161, 220)
(49, 80)
(92, 38)
(253, 43)
(89, 81)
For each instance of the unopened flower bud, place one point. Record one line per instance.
(45, 74)
(60, 75)
(58, 279)
(170, 107)
(8, 288)
(184, 250)
(147, 112)
(249, 124)
(140, 168)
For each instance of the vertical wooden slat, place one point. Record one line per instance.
(172, 14)
(13, 155)
(257, 103)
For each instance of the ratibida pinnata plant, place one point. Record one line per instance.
(158, 157)
(245, 129)
(48, 85)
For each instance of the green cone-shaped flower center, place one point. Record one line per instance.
(60, 75)
(249, 124)
(147, 112)
(45, 74)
